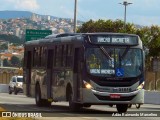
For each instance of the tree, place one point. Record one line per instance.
(106, 26)
(154, 42)
(11, 38)
(6, 63)
(15, 61)
(144, 34)
(4, 47)
(22, 62)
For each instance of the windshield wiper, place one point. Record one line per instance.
(121, 57)
(125, 53)
(105, 52)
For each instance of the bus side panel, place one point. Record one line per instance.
(39, 75)
(60, 80)
(78, 74)
(49, 73)
(27, 72)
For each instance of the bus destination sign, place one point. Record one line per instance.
(114, 40)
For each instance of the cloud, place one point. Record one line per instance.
(24, 4)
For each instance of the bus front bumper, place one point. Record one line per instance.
(96, 97)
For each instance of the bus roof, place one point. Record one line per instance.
(68, 37)
(61, 35)
(57, 38)
(97, 33)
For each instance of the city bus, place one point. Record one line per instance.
(85, 69)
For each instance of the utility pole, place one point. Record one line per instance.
(125, 3)
(75, 16)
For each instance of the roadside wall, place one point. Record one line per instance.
(152, 97)
(7, 72)
(3, 88)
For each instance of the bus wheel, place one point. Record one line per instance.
(129, 105)
(72, 105)
(138, 106)
(38, 99)
(122, 108)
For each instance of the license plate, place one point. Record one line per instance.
(115, 96)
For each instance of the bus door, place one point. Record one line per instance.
(77, 73)
(49, 72)
(28, 72)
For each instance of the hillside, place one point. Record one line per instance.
(18, 14)
(14, 14)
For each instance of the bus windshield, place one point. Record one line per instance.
(114, 62)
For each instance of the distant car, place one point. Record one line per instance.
(16, 85)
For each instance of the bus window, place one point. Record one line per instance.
(58, 56)
(98, 63)
(69, 56)
(50, 59)
(93, 62)
(64, 57)
(43, 56)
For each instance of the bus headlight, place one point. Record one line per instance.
(87, 85)
(140, 86)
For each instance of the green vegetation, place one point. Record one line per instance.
(6, 63)
(11, 39)
(14, 62)
(3, 46)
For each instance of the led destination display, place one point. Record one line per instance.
(114, 39)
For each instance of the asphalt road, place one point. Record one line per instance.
(60, 110)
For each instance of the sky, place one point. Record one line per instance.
(142, 12)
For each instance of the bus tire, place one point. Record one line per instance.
(39, 101)
(122, 108)
(138, 106)
(129, 105)
(72, 105)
